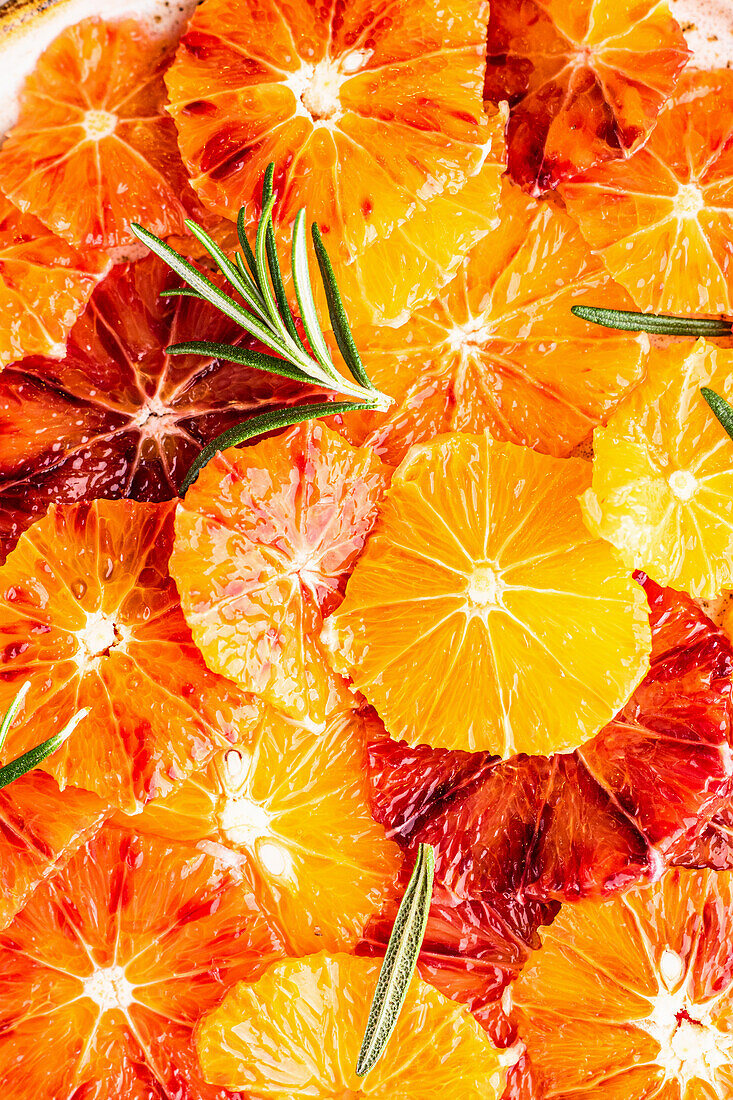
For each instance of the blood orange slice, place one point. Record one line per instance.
(499, 348)
(118, 417)
(291, 806)
(106, 971)
(662, 221)
(92, 618)
(265, 540)
(365, 109)
(585, 80)
(44, 286)
(93, 150)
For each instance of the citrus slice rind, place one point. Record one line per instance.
(314, 1011)
(91, 616)
(290, 807)
(264, 541)
(92, 115)
(662, 488)
(585, 82)
(662, 220)
(475, 586)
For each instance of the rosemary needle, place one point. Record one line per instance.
(723, 411)
(31, 759)
(656, 324)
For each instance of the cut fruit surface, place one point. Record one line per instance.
(313, 1011)
(105, 972)
(93, 149)
(40, 829)
(662, 221)
(291, 806)
(585, 81)
(662, 488)
(117, 417)
(44, 286)
(366, 109)
(633, 997)
(265, 539)
(90, 615)
(476, 585)
(499, 348)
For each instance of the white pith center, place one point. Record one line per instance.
(109, 988)
(485, 588)
(317, 88)
(689, 201)
(245, 821)
(99, 124)
(683, 484)
(98, 636)
(473, 334)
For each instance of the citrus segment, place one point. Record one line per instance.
(474, 587)
(499, 348)
(365, 109)
(44, 286)
(107, 969)
(90, 615)
(632, 997)
(662, 221)
(291, 806)
(40, 829)
(662, 489)
(313, 1012)
(93, 150)
(585, 81)
(265, 539)
(118, 417)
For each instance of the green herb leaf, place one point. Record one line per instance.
(657, 324)
(12, 710)
(337, 313)
(233, 354)
(721, 408)
(241, 280)
(245, 245)
(35, 756)
(304, 294)
(274, 263)
(181, 292)
(400, 961)
(267, 422)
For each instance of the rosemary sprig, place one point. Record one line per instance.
(657, 324)
(256, 275)
(722, 410)
(399, 962)
(31, 759)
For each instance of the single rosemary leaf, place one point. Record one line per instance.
(304, 294)
(247, 357)
(274, 263)
(399, 961)
(31, 759)
(337, 313)
(241, 280)
(723, 411)
(267, 422)
(264, 278)
(12, 710)
(245, 245)
(181, 292)
(657, 324)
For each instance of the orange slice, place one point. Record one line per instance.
(662, 221)
(92, 150)
(585, 80)
(476, 585)
(44, 286)
(313, 1012)
(107, 969)
(499, 348)
(633, 997)
(264, 542)
(365, 110)
(291, 807)
(90, 615)
(663, 478)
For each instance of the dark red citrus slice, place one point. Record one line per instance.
(118, 417)
(585, 80)
(106, 971)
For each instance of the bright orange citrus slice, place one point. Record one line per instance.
(476, 585)
(40, 829)
(265, 539)
(662, 221)
(662, 488)
(44, 286)
(633, 997)
(93, 150)
(90, 615)
(313, 1012)
(107, 969)
(499, 348)
(585, 80)
(366, 110)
